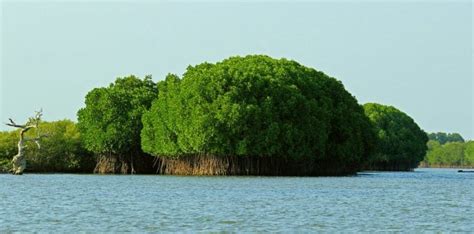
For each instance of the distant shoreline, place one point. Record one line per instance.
(447, 167)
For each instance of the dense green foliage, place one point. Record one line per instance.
(110, 123)
(444, 138)
(401, 142)
(8, 148)
(451, 154)
(61, 150)
(469, 153)
(258, 106)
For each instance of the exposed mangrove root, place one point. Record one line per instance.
(247, 165)
(119, 164)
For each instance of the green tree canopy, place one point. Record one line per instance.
(402, 144)
(8, 148)
(444, 138)
(110, 123)
(258, 106)
(61, 151)
(469, 153)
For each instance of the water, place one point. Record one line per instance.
(424, 200)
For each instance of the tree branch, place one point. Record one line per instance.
(32, 121)
(13, 124)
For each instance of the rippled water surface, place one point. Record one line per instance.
(427, 199)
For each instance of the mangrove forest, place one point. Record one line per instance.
(252, 115)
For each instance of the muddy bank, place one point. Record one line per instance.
(248, 165)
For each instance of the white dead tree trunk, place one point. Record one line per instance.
(19, 160)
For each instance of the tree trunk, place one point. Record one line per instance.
(19, 161)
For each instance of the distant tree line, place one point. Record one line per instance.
(448, 150)
(444, 138)
(251, 115)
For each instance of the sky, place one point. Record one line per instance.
(414, 55)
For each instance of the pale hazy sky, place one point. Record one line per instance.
(416, 56)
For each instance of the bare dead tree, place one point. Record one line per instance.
(19, 160)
